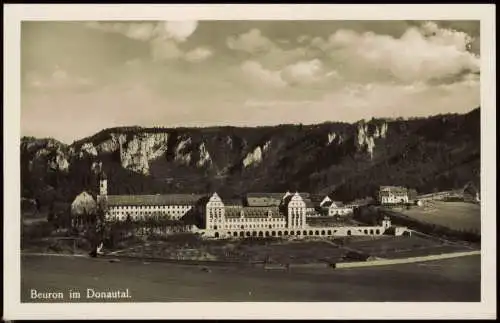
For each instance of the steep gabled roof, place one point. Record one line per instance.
(153, 200)
(253, 212)
(394, 189)
(232, 202)
(275, 195)
(327, 204)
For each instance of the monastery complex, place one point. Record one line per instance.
(254, 215)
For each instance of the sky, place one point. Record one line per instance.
(80, 77)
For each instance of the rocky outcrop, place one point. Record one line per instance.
(182, 154)
(96, 167)
(49, 153)
(112, 144)
(88, 148)
(204, 156)
(229, 142)
(366, 135)
(331, 137)
(136, 153)
(255, 157)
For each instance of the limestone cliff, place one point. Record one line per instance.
(367, 135)
(255, 157)
(352, 159)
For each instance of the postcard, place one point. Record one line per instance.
(249, 161)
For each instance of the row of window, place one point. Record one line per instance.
(215, 204)
(339, 212)
(152, 207)
(248, 226)
(148, 212)
(294, 233)
(393, 194)
(123, 217)
(254, 220)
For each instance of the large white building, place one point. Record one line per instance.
(269, 216)
(393, 195)
(256, 215)
(141, 207)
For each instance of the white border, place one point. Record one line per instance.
(13, 14)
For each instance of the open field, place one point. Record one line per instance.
(283, 251)
(278, 251)
(244, 251)
(403, 247)
(451, 280)
(454, 215)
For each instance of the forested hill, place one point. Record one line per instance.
(347, 160)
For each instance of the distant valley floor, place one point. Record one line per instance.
(451, 280)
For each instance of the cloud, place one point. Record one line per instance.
(58, 79)
(303, 38)
(199, 54)
(251, 42)
(357, 101)
(135, 30)
(262, 76)
(278, 58)
(164, 50)
(163, 36)
(301, 73)
(304, 72)
(178, 30)
(425, 53)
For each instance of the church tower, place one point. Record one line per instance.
(103, 185)
(386, 223)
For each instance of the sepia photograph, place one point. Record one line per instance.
(261, 160)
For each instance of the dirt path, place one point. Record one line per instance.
(385, 262)
(53, 254)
